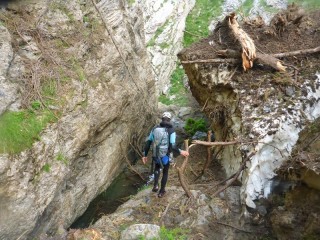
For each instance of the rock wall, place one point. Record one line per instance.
(107, 104)
(164, 29)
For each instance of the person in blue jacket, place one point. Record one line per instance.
(163, 160)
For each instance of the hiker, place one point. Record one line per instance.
(163, 138)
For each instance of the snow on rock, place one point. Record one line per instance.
(276, 140)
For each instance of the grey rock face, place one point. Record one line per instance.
(164, 29)
(8, 90)
(148, 231)
(97, 124)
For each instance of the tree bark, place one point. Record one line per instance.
(209, 153)
(204, 143)
(181, 170)
(248, 53)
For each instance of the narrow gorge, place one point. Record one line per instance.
(82, 82)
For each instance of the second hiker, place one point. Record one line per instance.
(163, 138)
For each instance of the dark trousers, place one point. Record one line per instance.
(164, 178)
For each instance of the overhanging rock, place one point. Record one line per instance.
(265, 110)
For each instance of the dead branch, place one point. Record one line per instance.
(271, 61)
(216, 60)
(164, 213)
(191, 170)
(181, 173)
(209, 152)
(228, 225)
(298, 52)
(248, 53)
(136, 150)
(183, 183)
(130, 166)
(224, 181)
(235, 175)
(204, 143)
(186, 159)
(205, 105)
(266, 59)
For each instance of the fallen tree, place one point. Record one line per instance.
(245, 50)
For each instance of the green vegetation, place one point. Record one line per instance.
(177, 91)
(144, 187)
(164, 45)
(152, 41)
(46, 167)
(194, 125)
(307, 4)
(267, 7)
(131, 2)
(197, 24)
(18, 130)
(61, 158)
(245, 7)
(173, 234)
(170, 234)
(199, 19)
(63, 8)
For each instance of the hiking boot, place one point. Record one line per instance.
(155, 188)
(161, 194)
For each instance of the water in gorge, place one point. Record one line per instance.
(120, 190)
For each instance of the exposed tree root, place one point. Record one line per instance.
(235, 175)
(245, 50)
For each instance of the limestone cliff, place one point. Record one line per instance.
(104, 97)
(164, 30)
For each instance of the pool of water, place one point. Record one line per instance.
(120, 190)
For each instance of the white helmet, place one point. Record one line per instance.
(166, 115)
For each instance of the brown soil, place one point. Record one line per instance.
(291, 33)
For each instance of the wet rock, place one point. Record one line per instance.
(199, 136)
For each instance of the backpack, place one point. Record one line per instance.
(161, 144)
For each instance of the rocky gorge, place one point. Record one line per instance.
(91, 73)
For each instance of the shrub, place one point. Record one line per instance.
(194, 125)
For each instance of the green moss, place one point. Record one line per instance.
(19, 130)
(199, 19)
(177, 91)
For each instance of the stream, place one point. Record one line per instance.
(120, 190)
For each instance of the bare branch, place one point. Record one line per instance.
(204, 143)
